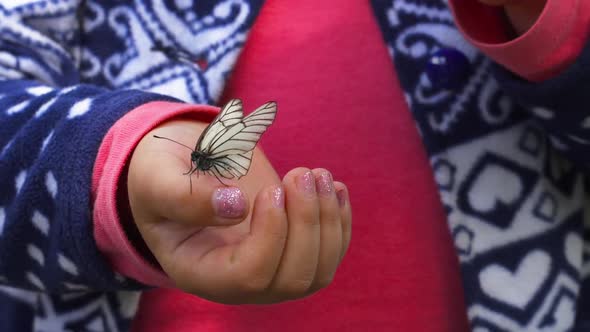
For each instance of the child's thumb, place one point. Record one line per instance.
(166, 195)
(206, 205)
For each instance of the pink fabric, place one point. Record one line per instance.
(547, 48)
(113, 155)
(340, 107)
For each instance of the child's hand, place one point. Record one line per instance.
(287, 247)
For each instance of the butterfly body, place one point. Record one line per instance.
(225, 147)
(201, 161)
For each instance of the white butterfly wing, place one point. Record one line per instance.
(233, 165)
(231, 148)
(243, 136)
(230, 115)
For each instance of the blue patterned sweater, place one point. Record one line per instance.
(508, 155)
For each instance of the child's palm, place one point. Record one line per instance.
(281, 250)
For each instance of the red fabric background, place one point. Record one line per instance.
(340, 107)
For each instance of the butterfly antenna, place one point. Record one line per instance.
(166, 138)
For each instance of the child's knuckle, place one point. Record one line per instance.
(309, 216)
(254, 284)
(295, 288)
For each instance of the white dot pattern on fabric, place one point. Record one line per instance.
(80, 108)
(578, 139)
(74, 287)
(543, 113)
(20, 180)
(46, 140)
(573, 249)
(5, 148)
(33, 279)
(51, 184)
(36, 254)
(67, 265)
(67, 90)
(2, 219)
(45, 107)
(40, 222)
(17, 108)
(557, 143)
(183, 4)
(39, 90)
(128, 303)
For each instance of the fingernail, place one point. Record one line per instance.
(229, 202)
(341, 194)
(325, 184)
(306, 183)
(277, 196)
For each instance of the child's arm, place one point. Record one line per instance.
(49, 138)
(51, 131)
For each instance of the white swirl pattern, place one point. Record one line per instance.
(515, 207)
(107, 43)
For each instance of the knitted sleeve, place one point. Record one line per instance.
(51, 127)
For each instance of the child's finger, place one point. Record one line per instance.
(345, 216)
(300, 257)
(255, 260)
(330, 230)
(238, 272)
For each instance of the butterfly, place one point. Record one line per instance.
(225, 147)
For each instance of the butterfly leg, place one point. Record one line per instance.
(191, 170)
(218, 179)
(190, 178)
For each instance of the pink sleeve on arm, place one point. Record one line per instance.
(548, 47)
(113, 155)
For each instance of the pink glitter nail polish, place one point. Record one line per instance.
(306, 183)
(325, 184)
(277, 196)
(229, 202)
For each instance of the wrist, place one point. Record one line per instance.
(128, 222)
(114, 229)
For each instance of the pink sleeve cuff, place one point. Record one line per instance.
(113, 156)
(548, 47)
